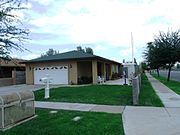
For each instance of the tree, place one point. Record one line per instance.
(144, 66)
(168, 45)
(89, 50)
(79, 48)
(86, 50)
(165, 50)
(12, 36)
(152, 56)
(50, 52)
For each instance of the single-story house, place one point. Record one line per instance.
(73, 67)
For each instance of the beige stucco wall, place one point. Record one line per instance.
(72, 70)
(29, 74)
(114, 68)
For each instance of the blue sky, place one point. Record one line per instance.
(103, 25)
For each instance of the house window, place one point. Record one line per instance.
(61, 67)
(65, 67)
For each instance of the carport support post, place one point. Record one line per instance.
(104, 71)
(94, 71)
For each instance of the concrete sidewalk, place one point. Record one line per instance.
(79, 107)
(168, 97)
(136, 120)
(151, 121)
(154, 120)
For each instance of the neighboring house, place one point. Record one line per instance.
(130, 69)
(73, 67)
(12, 72)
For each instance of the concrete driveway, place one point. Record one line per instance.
(24, 87)
(16, 88)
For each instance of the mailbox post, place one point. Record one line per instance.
(47, 88)
(46, 80)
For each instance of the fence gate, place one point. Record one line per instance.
(20, 77)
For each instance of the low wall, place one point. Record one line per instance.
(6, 81)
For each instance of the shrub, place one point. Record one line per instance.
(84, 80)
(114, 76)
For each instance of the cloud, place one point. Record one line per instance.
(100, 48)
(111, 21)
(126, 52)
(103, 24)
(44, 2)
(30, 56)
(26, 5)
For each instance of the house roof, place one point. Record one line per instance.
(14, 62)
(71, 55)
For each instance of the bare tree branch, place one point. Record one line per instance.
(12, 34)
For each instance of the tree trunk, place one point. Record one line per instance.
(169, 72)
(158, 72)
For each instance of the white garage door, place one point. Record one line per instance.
(58, 74)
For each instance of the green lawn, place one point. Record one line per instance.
(61, 123)
(94, 94)
(173, 85)
(147, 95)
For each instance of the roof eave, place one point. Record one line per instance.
(43, 61)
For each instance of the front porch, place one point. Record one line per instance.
(89, 71)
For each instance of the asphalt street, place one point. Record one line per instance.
(175, 75)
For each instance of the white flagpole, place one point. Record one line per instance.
(132, 45)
